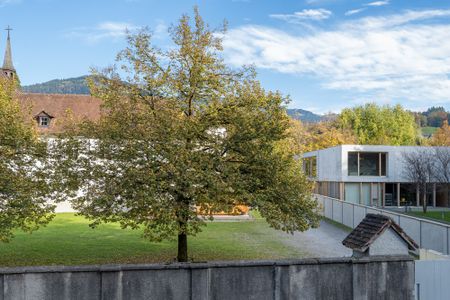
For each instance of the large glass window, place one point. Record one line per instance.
(310, 166)
(306, 166)
(353, 164)
(366, 164)
(369, 164)
(383, 164)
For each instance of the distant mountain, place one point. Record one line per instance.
(78, 86)
(59, 86)
(305, 115)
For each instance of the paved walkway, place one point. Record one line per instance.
(325, 241)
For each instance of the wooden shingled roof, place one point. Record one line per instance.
(370, 228)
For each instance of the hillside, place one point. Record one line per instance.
(78, 86)
(304, 115)
(59, 86)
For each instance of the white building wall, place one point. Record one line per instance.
(329, 163)
(332, 163)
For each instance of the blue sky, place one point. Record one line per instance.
(325, 54)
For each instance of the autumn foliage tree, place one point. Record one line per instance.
(183, 131)
(25, 184)
(442, 136)
(380, 125)
(304, 137)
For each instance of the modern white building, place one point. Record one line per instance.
(371, 175)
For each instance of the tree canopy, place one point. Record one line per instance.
(374, 125)
(183, 132)
(442, 136)
(309, 137)
(24, 185)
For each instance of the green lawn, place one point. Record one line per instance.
(69, 241)
(427, 131)
(435, 215)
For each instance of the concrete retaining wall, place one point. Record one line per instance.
(337, 278)
(426, 233)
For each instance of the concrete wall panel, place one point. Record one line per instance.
(155, 284)
(348, 214)
(434, 237)
(52, 286)
(394, 217)
(241, 283)
(411, 227)
(372, 211)
(337, 211)
(332, 278)
(303, 282)
(328, 208)
(1, 287)
(432, 279)
(359, 214)
(448, 241)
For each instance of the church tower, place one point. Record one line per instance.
(8, 67)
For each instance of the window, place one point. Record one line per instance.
(310, 166)
(383, 164)
(353, 164)
(369, 164)
(366, 164)
(44, 121)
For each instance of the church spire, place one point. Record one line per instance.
(7, 61)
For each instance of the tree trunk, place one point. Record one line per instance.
(182, 248)
(182, 230)
(424, 201)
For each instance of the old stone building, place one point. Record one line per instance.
(50, 111)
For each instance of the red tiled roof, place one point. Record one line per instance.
(58, 106)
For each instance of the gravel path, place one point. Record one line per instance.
(325, 241)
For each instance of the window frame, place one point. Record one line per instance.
(310, 167)
(380, 165)
(43, 119)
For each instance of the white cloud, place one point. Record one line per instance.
(102, 31)
(7, 2)
(393, 57)
(378, 3)
(306, 14)
(354, 11)
(371, 23)
(161, 29)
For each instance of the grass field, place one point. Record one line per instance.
(69, 241)
(427, 131)
(435, 215)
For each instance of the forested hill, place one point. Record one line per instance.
(78, 86)
(304, 115)
(59, 86)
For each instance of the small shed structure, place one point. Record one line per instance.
(379, 235)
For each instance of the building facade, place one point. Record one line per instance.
(372, 175)
(50, 112)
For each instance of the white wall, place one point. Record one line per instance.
(332, 163)
(329, 163)
(389, 243)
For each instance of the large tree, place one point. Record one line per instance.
(375, 125)
(182, 133)
(442, 136)
(306, 137)
(24, 178)
(420, 169)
